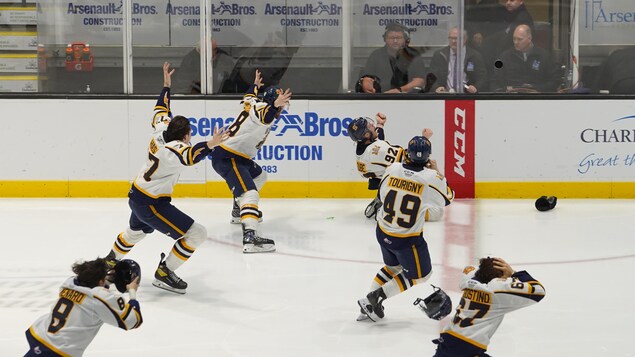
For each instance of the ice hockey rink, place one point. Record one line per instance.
(301, 300)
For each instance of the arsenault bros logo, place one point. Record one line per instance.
(307, 124)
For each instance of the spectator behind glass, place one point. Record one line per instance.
(187, 78)
(617, 72)
(444, 67)
(483, 18)
(394, 68)
(525, 67)
(504, 22)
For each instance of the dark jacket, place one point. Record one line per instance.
(394, 72)
(473, 66)
(617, 72)
(538, 72)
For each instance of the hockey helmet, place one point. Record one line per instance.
(126, 270)
(545, 203)
(437, 305)
(419, 150)
(358, 128)
(271, 94)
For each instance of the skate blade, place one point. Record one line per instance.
(161, 285)
(236, 220)
(362, 304)
(362, 317)
(250, 248)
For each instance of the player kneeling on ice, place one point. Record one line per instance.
(408, 190)
(488, 294)
(84, 304)
(374, 154)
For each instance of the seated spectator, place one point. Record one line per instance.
(525, 67)
(445, 68)
(187, 78)
(617, 72)
(483, 18)
(500, 28)
(394, 68)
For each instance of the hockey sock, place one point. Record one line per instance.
(400, 284)
(126, 241)
(185, 246)
(249, 212)
(384, 275)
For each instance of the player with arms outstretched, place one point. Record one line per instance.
(488, 294)
(232, 160)
(374, 154)
(169, 153)
(408, 190)
(84, 305)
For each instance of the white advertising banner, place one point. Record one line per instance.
(607, 22)
(18, 41)
(248, 23)
(555, 141)
(24, 84)
(17, 15)
(589, 141)
(18, 63)
(109, 142)
(428, 21)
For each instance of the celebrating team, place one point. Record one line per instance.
(410, 192)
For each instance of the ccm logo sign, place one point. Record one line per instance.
(459, 148)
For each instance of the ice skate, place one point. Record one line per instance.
(111, 261)
(372, 305)
(372, 208)
(362, 315)
(167, 279)
(254, 244)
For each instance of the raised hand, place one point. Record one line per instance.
(134, 284)
(283, 99)
(503, 266)
(219, 136)
(167, 74)
(427, 132)
(258, 79)
(380, 118)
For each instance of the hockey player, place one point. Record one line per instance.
(408, 190)
(150, 198)
(232, 160)
(488, 294)
(374, 154)
(84, 304)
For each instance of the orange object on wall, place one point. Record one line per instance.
(78, 57)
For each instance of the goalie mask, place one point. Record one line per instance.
(419, 150)
(437, 305)
(358, 128)
(126, 271)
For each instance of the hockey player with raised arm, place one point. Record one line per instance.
(150, 196)
(233, 161)
(85, 303)
(373, 154)
(488, 294)
(408, 190)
